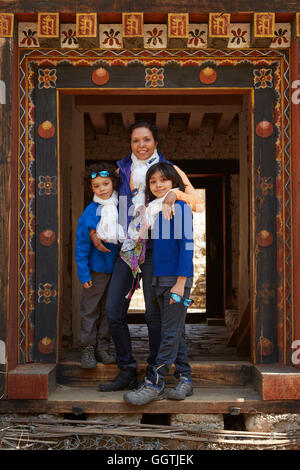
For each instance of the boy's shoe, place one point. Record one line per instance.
(183, 389)
(146, 393)
(126, 379)
(106, 357)
(88, 360)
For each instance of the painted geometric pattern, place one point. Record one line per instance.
(268, 73)
(155, 36)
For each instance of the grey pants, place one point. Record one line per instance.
(94, 325)
(173, 348)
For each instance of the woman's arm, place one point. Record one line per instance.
(190, 195)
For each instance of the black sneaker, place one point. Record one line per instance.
(125, 380)
(88, 360)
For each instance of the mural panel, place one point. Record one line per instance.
(263, 74)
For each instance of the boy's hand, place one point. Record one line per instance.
(168, 209)
(98, 242)
(178, 288)
(87, 284)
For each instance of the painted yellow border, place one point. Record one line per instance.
(39, 25)
(123, 21)
(298, 25)
(78, 15)
(220, 36)
(185, 15)
(10, 35)
(256, 34)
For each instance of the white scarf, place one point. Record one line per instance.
(154, 209)
(139, 169)
(108, 228)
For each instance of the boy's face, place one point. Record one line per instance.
(102, 187)
(159, 184)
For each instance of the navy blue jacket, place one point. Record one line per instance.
(173, 244)
(88, 257)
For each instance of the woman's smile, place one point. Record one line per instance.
(142, 143)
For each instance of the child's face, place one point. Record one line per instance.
(102, 187)
(159, 184)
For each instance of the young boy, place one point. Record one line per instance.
(172, 278)
(94, 267)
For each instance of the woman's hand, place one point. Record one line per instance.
(178, 288)
(168, 209)
(87, 284)
(98, 243)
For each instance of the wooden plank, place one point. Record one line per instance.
(99, 121)
(205, 400)
(205, 373)
(129, 110)
(162, 121)
(276, 382)
(157, 6)
(195, 122)
(6, 72)
(128, 118)
(225, 121)
(32, 381)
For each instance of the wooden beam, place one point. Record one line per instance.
(32, 381)
(276, 382)
(195, 122)
(157, 6)
(6, 130)
(128, 118)
(162, 121)
(129, 110)
(225, 121)
(99, 121)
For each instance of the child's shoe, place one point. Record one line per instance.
(183, 389)
(106, 357)
(88, 360)
(146, 393)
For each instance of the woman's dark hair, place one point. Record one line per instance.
(169, 172)
(152, 128)
(95, 168)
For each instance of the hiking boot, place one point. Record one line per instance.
(125, 380)
(146, 393)
(183, 389)
(88, 360)
(106, 357)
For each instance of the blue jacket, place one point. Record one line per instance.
(173, 245)
(88, 257)
(124, 188)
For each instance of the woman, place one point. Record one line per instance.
(132, 171)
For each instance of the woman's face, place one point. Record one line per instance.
(102, 187)
(142, 143)
(159, 185)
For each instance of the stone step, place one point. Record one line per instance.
(204, 373)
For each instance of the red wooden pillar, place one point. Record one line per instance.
(295, 142)
(6, 156)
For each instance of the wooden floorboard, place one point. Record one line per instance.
(87, 400)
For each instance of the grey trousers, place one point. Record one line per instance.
(94, 325)
(173, 348)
